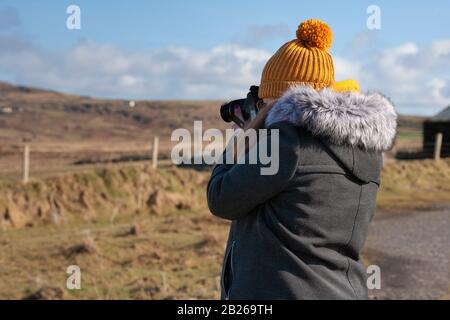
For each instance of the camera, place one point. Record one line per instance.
(242, 111)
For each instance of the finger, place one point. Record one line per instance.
(271, 104)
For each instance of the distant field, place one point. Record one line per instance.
(67, 133)
(63, 130)
(409, 135)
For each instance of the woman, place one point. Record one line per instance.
(298, 234)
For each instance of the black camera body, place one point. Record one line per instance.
(242, 111)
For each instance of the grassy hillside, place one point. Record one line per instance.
(64, 131)
(40, 116)
(137, 188)
(417, 184)
(94, 193)
(143, 234)
(134, 232)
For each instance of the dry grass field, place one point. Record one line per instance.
(168, 246)
(64, 131)
(93, 199)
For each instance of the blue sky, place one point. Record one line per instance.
(202, 49)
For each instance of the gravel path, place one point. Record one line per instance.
(413, 253)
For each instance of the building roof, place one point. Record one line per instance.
(444, 115)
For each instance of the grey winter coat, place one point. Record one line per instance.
(298, 234)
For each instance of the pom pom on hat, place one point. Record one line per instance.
(314, 33)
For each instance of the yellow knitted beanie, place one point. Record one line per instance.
(303, 61)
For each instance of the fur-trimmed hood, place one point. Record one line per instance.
(365, 121)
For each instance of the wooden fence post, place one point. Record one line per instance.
(155, 153)
(139, 198)
(26, 163)
(438, 146)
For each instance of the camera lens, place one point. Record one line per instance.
(226, 112)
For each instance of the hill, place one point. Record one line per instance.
(65, 130)
(43, 116)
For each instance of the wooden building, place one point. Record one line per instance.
(440, 123)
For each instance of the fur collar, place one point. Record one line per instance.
(365, 121)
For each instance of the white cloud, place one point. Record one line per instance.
(174, 72)
(407, 73)
(439, 90)
(346, 69)
(416, 78)
(441, 48)
(393, 63)
(129, 81)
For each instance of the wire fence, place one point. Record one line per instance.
(28, 156)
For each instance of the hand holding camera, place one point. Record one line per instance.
(246, 113)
